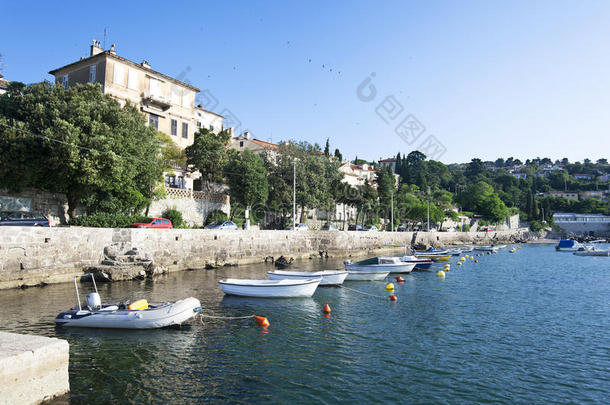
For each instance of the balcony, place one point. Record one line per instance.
(156, 101)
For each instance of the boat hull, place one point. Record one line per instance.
(593, 253)
(328, 277)
(367, 275)
(435, 258)
(271, 289)
(390, 268)
(172, 314)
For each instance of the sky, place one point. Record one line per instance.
(454, 79)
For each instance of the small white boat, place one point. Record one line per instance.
(138, 315)
(329, 277)
(270, 288)
(592, 252)
(367, 275)
(420, 263)
(487, 248)
(389, 264)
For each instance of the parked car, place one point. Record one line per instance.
(224, 225)
(329, 227)
(299, 227)
(370, 228)
(354, 227)
(22, 218)
(153, 223)
(401, 228)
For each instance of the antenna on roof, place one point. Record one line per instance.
(104, 37)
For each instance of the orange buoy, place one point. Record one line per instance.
(326, 308)
(393, 298)
(261, 320)
(399, 279)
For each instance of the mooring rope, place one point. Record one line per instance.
(226, 317)
(362, 292)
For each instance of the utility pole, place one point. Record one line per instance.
(392, 208)
(294, 196)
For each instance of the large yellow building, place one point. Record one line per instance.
(168, 103)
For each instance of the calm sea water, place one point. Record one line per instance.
(528, 327)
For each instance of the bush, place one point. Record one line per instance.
(216, 216)
(466, 228)
(536, 226)
(175, 216)
(106, 220)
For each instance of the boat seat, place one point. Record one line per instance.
(110, 308)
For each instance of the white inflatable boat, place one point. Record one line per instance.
(137, 315)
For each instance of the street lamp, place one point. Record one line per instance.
(294, 196)
(392, 208)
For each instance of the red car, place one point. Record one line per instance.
(156, 223)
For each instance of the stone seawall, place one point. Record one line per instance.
(32, 256)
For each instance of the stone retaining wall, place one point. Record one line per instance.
(32, 255)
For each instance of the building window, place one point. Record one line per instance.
(132, 79)
(185, 130)
(211, 127)
(155, 87)
(198, 124)
(241, 144)
(174, 127)
(92, 70)
(119, 75)
(153, 121)
(65, 81)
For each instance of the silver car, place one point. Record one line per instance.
(226, 225)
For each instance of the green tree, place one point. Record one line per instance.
(327, 148)
(79, 142)
(338, 155)
(247, 179)
(208, 154)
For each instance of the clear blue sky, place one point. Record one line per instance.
(488, 79)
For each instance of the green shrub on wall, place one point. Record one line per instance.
(216, 216)
(175, 216)
(106, 220)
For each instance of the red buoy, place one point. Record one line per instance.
(399, 279)
(261, 320)
(326, 308)
(393, 298)
(476, 261)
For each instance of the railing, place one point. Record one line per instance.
(196, 195)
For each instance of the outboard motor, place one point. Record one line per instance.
(94, 301)
(347, 262)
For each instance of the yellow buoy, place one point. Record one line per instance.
(463, 258)
(459, 263)
(471, 257)
(440, 273)
(389, 287)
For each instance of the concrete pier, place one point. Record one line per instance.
(33, 369)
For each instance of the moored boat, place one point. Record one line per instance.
(367, 275)
(568, 245)
(390, 264)
(270, 288)
(329, 277)
(592, 252)
(436, 257)
(420, 264)
(137, 315)
(487, 248)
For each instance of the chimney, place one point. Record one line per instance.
(145, 64)
(112, 51)
(96, 48)
(246, 134)
(230, 131)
